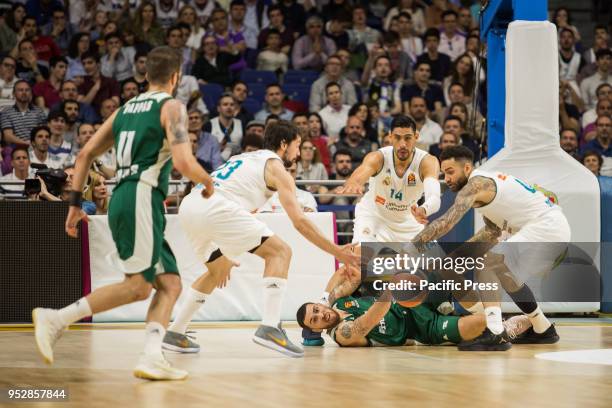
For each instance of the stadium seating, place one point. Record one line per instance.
(297, 92)
(295, 76)
(257, 91)
(252, 105)
(211, 94)
(253, 76)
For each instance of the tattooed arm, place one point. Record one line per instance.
(489, 233)
(463, 202)
(353, 333)
(174, 121)
(347, 286)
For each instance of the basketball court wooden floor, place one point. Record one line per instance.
(95, 361)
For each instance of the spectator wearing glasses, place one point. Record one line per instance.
(309, 166)
(8, 79)
(212, 66)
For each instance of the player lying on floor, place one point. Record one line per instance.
(365, 321)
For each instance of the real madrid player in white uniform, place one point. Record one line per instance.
(398, 177)
(223, 227)
(523, 211)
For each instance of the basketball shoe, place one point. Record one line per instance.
(47, 330)
(487, 341)
(549, 336)
(180, 343)
(276, 338)
(156, 367)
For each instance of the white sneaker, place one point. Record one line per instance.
(47, 330)
(157, 368)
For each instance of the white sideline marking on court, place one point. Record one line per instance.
(598, 356)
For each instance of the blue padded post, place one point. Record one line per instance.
(605, 185)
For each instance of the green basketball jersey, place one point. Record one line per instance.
(143, 152)
(393, 330)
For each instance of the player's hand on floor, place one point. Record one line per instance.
(75, 215)
(419, 214)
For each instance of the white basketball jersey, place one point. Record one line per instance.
(241, 179)
(516, 203)
(391, 196)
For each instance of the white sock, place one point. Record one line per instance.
(494, 319)
(155, 333)
(75, 312)
(325, 297)
(539, 322)
(274, 289)
(193, 301)
(476, 308)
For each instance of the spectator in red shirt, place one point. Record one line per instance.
(44, 46)
(96, 88)
(47, 93)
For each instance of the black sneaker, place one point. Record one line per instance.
(549, 336)
(487, 341)
(312, 338)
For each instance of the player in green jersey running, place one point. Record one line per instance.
(147, 132)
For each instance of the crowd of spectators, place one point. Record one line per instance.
(66, 67)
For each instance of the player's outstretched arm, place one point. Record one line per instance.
(463, 202)
(429, 172)
(370, 166)
(101, 141)
(174, 120)
(276, 176)
(350, 280)
(353, 333)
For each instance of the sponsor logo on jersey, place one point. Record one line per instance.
(380, 200)
(411, 180)
(350, 303)
(387, 181)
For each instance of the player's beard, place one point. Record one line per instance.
(334, 318)
(461, 182)
(286, 161)
(403, 154)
